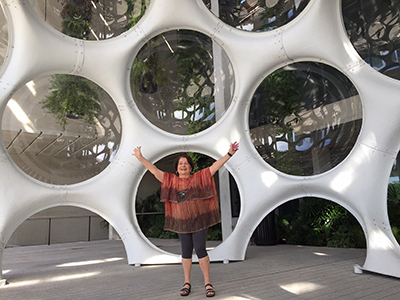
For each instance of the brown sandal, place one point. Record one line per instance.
(209, 291)
(185, 291)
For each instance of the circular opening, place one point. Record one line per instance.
(182, 81)
(61, 129)
(314, 221)
(150, 211)
(3, 36)
(374, 30)
(305, 118)
(61, 224)
(257, 16)
(90, 20)
(393, 198)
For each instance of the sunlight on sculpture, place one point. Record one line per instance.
(342, 181)
(380, 241)
(269, 178)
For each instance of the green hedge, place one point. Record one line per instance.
(320, 222)
(393, 199)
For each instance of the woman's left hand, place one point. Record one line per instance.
(233, 148)
(220, 162)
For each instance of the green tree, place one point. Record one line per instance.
(276, 105)
(73, 97)
(77, 16)
(135, 11)
(148, 69)
(196, 90)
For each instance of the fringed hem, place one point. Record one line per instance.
(186, 200)
(194, 224)
(172, 230)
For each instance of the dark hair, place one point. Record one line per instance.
(184, 155)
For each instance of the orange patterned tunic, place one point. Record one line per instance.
(191, 204)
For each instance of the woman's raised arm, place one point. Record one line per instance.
(220, 162)
(158, 174)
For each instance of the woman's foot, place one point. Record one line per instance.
(185, 291)
(209, 290)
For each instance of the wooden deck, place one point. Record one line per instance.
(99, 270)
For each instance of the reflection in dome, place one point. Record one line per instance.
(61, 148)
(396, 56)
(282, 146)
(3, 36)
(305, 118)
(305, 144)
(373, 27)
(255, 15)
(381, 48)
(174, 84)
(376, 62)
(90, 20)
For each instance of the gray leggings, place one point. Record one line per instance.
(196, 240)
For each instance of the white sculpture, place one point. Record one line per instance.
(359, 183)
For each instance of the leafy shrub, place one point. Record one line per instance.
(393, 202)
(152, 225)
(320, 222)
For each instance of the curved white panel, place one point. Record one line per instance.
(359, 183)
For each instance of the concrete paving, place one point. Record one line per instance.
(99, 270)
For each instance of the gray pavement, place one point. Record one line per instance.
(99, 270)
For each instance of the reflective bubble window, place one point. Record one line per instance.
(90, 20)
(255, 15)
(3, 36)
(305, 118)
(373, 27)
(61, 129)
(182, 81)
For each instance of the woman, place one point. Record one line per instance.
(191, 206)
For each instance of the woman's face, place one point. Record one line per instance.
(184, 169)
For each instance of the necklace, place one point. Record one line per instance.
(182, 191)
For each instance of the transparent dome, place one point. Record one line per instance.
(305, 118)
(90, 20)
(373, 27)
(61, 129)
(3, 36)
(175, 84)
(255, 15)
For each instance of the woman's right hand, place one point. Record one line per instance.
(158, 174)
